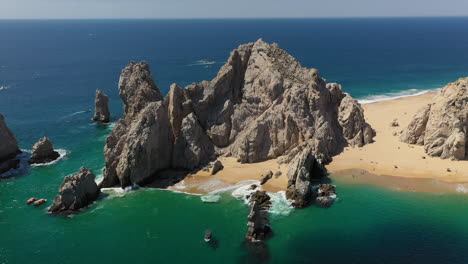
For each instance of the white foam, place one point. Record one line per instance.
(203, 62)
(279, 204)
(461, 188)
(210, 198)
(76, 113)
(3, 87)
(244, 189)
(392, 96)
(62, 152)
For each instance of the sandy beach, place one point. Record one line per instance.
(390, 157)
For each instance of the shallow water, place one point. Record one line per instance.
(51, 69)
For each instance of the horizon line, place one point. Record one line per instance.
(234, 18)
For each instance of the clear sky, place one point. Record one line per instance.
(11, 9)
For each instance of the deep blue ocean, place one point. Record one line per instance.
(50, 69)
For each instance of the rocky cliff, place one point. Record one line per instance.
(8, 148)
(101, 107)
(442, 125)
(261, 105)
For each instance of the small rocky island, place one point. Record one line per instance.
(76, 192)
(442, 126)
(262, 105)
(8, 148)
(43, 152)
(101, 109)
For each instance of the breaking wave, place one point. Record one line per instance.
(392, 96)
(279, 204)
(62, 152)
(203, 62)
(3, 87)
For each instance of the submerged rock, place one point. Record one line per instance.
(43, 152)
(326, 194)
(442, 126)
(101, 112)
(76, 191)
(261, 105)
(258, 222)
(8, 148)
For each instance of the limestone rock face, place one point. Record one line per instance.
(258, 222)
(303, 169)
(43, 152)
(101, 112)
(261, 105)
(442, 126)
(77, 191)
(8, 148)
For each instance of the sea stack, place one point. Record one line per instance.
(43, 152)
(77, 191)
(101, 111)
(8, 148)
(258, 221)
(442, 126)
(262, 105)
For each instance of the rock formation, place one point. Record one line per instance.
(101, 110)
(43, 152)
(262, 104)
(8, 148)
(442, 126)
(303, 169)
(217, 166)
(266, 177)
(77, 191)
(258, 223)
(326, 194)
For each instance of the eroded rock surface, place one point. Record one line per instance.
(8, 148)
(258, 221)
(262, 105)
(76, 191)
(43, 152)
(101, 111)
(442, 126)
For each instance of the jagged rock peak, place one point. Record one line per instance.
(137, 88)
(76, 191)
(261, 105)
(101, 112)
(43, 151)
(442, 126)
(8, 147)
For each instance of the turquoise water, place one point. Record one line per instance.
(49, 71)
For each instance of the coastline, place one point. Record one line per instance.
(388, 156)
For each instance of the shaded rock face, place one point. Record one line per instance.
(217, 166)
(43, 152)
(258, 222)
(442, 126)
(8, 148)
(101, 112)
(261, 105)
(326, 195)
(77, 191)
(266, 177)
(303, 169)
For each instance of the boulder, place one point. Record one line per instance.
(258, 221)
(43, 152)
(266, 177)
(76, 191)
(8, 148)
(326, 195)
(442, 126)
(101, 112)
(217, 166)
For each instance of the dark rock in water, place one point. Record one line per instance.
(8, 148)
(43, 152)
(303, 169)
(208, 235)
(217, 166)
(258, 224)
(326, 194)
(101, 112)
(77, 191)
(266, 177)
(261, 105)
